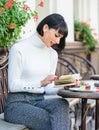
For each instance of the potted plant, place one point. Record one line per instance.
(13, 16)
(85, 35)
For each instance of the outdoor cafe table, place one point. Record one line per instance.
(84, 96)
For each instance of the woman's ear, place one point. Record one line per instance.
(45, 28)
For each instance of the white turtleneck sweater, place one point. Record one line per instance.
(30, 61)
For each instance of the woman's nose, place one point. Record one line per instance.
(58, 40)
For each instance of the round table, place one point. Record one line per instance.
(84, 96)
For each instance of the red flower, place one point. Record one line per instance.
(95, 34)
(0, 10)
(8, 5)
(12, 25)
(41, 4)
(26, 7)
(82, 22)
(10, 1)
(87, 25)
(35, 17)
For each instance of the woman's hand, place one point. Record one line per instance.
(49, 79)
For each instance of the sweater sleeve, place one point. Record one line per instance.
(50, 89)
(15, 82)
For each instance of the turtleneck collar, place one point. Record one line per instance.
(38, 42)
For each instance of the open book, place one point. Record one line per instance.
(67, 80)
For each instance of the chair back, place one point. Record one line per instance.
(3, 78)
(65, 67)
(82, 65)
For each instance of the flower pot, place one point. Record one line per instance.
(77, 36)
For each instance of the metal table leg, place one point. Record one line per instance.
(83, 114)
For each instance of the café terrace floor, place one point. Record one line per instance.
(89, 126)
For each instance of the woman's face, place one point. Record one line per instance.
(51, 36)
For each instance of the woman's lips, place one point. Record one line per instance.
(51, 43)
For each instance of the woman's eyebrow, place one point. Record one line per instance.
(58, 34)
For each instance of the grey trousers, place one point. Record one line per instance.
(37, 113)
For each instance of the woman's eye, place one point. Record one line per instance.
(56, 35)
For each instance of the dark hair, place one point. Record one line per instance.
(57, 22)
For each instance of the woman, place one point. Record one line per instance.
(31, 75)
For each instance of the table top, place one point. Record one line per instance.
(76, 94)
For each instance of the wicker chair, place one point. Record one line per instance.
(82, 65)
(4, 92)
